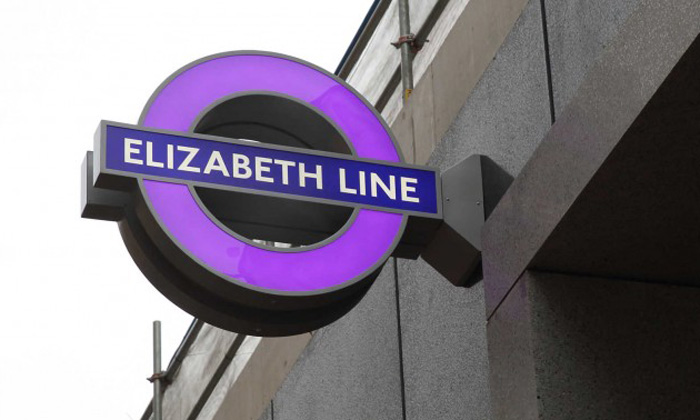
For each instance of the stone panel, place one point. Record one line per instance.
(609, 100)
(579, 31)
(444, 346)
(350, 369)
(507, 114)
(512, 367)
(598, 349)
(467, 52)
(615, 349)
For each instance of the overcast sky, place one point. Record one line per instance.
(75, 312)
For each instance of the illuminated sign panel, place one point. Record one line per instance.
(246, 166)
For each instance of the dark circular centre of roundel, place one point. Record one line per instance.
(280, 120)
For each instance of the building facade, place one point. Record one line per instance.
(587, 304)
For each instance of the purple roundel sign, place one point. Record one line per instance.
(192, 193)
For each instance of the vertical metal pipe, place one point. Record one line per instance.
(157, 401)
(406, 54)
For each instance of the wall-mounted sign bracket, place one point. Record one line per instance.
(452, 246)
(201, 207)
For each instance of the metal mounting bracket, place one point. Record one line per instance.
(455, 251)
(452, 246)
(414, 42)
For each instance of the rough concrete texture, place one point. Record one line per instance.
(637, 216)
(350, 370)
(467, 52)
(579, 31)
(607, 349)
(444, 346)
(512, 383)
(615, 91)
(507, 114)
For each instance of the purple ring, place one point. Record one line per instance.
(365, 244)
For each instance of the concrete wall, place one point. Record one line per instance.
(578, 32)
(574, 347)
(567, 345)
(351, 369)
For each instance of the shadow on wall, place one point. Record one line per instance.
(495, 182)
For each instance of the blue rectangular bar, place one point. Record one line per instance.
(241, 165)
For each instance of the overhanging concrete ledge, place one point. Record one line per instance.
(614, 188)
